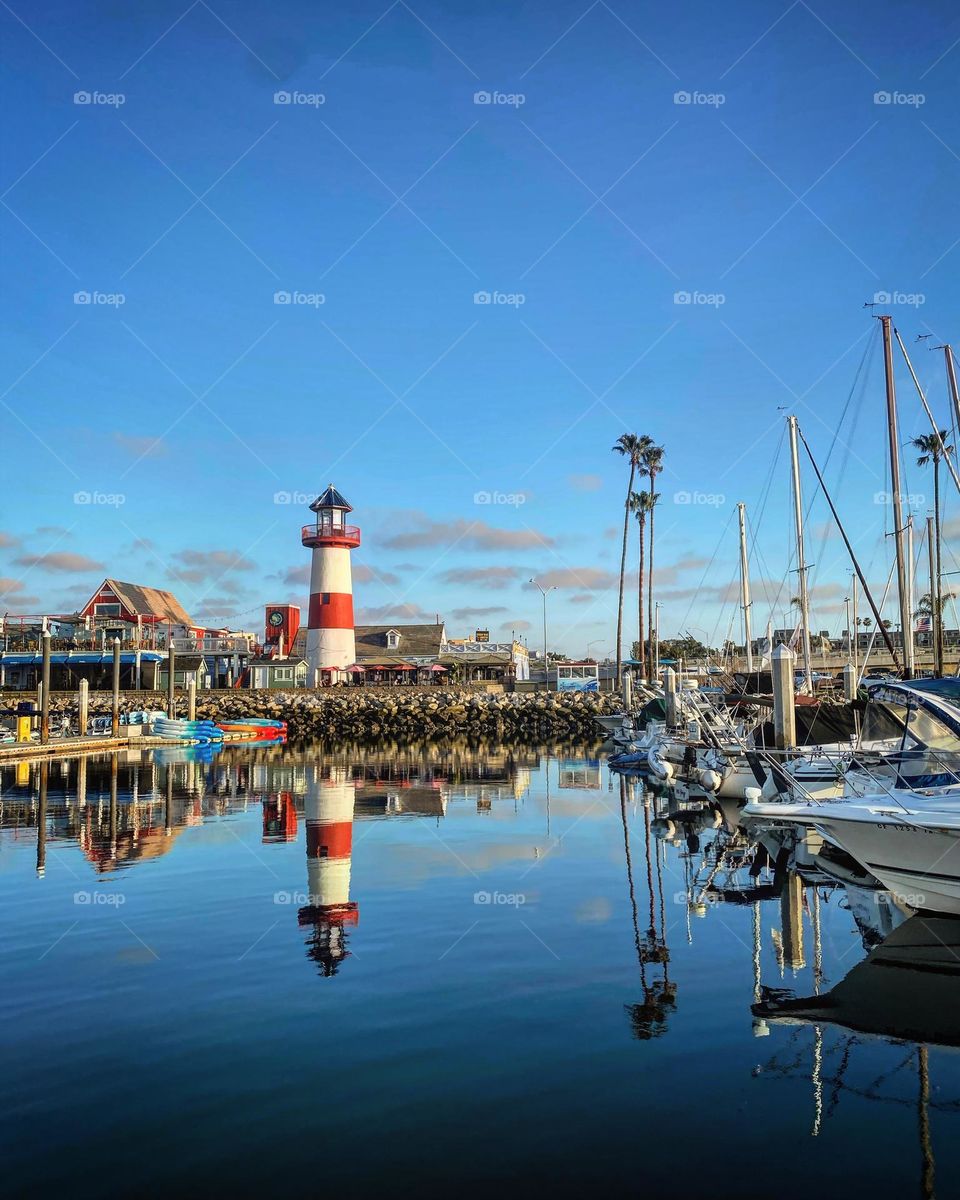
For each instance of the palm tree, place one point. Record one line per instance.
(633, 448)
(932, 447)
(652, 466)
(641, 504)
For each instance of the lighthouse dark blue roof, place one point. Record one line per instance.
(331, 498)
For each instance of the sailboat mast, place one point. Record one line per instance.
(745, 585)
(952, 381)
(936, 616)
(911, 588)
(856, 631)
(897, 500)
(801, 557)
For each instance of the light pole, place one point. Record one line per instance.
(543, 594)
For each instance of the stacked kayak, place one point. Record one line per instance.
(178, 730)
(253, 729)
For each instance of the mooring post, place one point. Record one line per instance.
(171, 670)
(670, 696)
(849, 682)
(45, 690)
(115, 710)
(83, 707)
(782, 662)
(627, 692)
(42, 820)
(192, 700)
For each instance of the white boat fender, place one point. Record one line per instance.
(658, 765)
(709, 780)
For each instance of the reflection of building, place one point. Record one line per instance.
(329, 818)
(580, 774)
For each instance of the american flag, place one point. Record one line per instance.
(923, 624)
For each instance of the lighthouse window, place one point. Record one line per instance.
(324, 597)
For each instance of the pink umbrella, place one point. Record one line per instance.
(437, 667)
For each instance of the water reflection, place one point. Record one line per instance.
(648, 1018)
(819, 959)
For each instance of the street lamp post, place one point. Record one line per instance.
(543, 594)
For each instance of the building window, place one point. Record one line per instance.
(107, 610)
(393, 639)
(282, 674)
(324, 597)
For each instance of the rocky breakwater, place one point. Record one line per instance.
(358, 715)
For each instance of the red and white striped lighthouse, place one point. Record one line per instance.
(329, 805)
(330, 639)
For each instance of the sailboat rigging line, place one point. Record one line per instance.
(866, 359)
(853, 557)
(926, 408)
(706, 571)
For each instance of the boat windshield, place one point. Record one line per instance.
(924, 728)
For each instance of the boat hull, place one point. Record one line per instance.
(919, 863)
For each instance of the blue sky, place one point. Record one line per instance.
(586, 197)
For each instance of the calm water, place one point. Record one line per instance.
(441, 968)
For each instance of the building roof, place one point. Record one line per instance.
(331, 498)
(417, 641)
(146, 601)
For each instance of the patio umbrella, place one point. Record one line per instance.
(356, 669)
(437, 667)
(405, 667)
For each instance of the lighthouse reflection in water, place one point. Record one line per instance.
(329, 911)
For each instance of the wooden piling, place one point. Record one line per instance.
(171, 670)
(45, 692)
(83, 708)
(115, 709)
(782, 662)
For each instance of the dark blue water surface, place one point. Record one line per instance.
(433, 969)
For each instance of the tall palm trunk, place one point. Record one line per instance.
(623, 567)
(937, 597)
(642, 518)
(651, 611)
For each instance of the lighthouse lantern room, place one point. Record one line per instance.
(331, 646)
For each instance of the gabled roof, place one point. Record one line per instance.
(331, 498)
(146, 601)
(418, 641)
